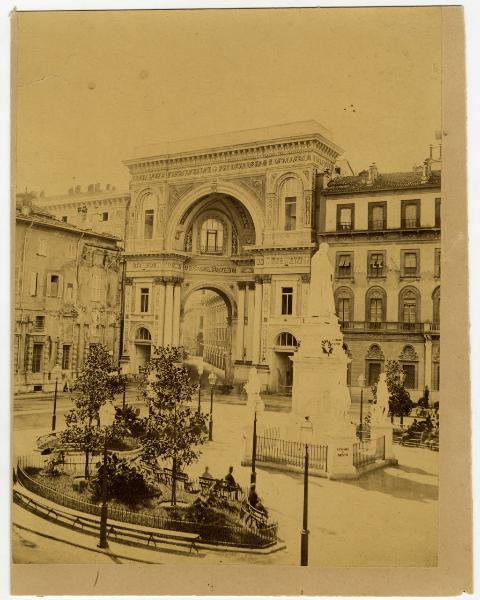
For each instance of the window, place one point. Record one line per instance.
(69, 293)
(65, 219)
(95, 287)
(436, 308)
(374, 370)
(39, 322)
(410, 214)
(148, 229)
(287, 300)
(377, 215)
(211, 237)
(37, 358)
(438, 214)
(437, 264)
(290, 213)
(410, 263)
(376, 264)
(105, 216)
(344, 310)
(54, 280)
(143, 335)
(289, 194)
(66, 357)
(409, 308)
(286, 339)
(375, 307)
(33, 284)
(72, 250)
(144, 295)
(42, 247)
(344, 305)
(436, 376)
(344, 265)
(410, 379)
(345, 217)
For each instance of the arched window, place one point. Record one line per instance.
(374, 361)
(375, 307)
(211, 236)
(344, 305)
(436, 308)
(143, 335)
(408, 359)
(148, 210)
(287, 339)
(409, 308)
(289, 197)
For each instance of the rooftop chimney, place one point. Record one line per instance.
(372, 174)
(78, 189)
(70, 191)
(324, 178)
(427, 170)
(27, 204)
(107, 187)
(98, 187)
(91, 188)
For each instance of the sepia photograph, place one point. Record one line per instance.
(227, 265)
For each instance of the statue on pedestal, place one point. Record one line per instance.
(252, 387)
(380, 409)
(320, 298)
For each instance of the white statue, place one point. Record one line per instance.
(320, 299)
(380, 410)
(252, 387)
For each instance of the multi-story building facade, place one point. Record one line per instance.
(102, 210)
(240, 215)
(384, 235)
(67, 296)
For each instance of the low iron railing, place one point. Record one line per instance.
(234, 535)
(368, 452)
(287, 452)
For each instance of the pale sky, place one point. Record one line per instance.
(91, 86)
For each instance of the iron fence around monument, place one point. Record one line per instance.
(368, 452)
(291, 453)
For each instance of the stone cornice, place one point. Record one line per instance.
(281, 249)
(427, 234)
(158, 255)
(253, 155)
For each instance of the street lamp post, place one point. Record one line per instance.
(200, 373)
(306, 433)
(107, 416)
(361, 383)
(253, 476)
(212, 380)
(54, 414)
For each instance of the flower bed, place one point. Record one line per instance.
(219, 523)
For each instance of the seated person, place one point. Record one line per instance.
(207, 474)
(254, 500)
(232, 484)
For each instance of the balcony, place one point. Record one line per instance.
(389, 326)
(410, 223)
(345, 226)
(377, 224)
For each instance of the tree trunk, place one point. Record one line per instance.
(401, 419)
(174, 482)
(87, 452)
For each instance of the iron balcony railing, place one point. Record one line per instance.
(410, 223)
(377, 224)
(392, 326)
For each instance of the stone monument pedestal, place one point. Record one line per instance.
(384, 429)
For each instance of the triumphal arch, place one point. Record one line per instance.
(235, 214)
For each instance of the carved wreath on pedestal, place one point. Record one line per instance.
(327, 347)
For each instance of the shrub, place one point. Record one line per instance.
(126, 481)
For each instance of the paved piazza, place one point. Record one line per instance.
(397, 506)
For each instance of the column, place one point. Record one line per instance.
(428, 362)
(248, 342)
(176, 312)
(240, 322)
(127, 311)
(257, 321)
(160, 283)
(303, 308)
(267, 282)
(168, 330)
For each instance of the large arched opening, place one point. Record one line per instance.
(206, 330)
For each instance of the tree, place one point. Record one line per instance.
(400, 403)
(174, 429)
(96, 384)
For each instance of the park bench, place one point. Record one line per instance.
(116, 529)
(189, 486)
(219, 487)
(252, 515)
